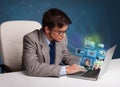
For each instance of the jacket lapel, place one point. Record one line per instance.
(45, 51)
(45, 48)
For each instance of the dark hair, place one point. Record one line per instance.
(55, 17)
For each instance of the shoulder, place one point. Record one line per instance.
(65, 40)
(32, 36)
(33, 33)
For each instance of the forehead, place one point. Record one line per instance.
(64, 28)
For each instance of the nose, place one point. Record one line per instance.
(62, 36)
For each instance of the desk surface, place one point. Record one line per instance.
(18, 79)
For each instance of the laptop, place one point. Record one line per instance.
(94, 74)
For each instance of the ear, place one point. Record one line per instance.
(47, 30)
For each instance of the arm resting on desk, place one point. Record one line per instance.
(5, 68)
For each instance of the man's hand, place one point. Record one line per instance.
(74, 69)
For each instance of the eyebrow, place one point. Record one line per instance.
(65, 30)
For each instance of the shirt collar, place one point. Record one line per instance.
(48, 42)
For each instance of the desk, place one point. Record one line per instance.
(18, 79)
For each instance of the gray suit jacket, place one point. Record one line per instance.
(36, 58)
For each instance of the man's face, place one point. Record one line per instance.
(57, 34)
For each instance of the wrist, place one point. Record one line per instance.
(67, 69)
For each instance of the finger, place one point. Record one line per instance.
(83, 69)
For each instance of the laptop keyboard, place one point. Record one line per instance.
(91, 73)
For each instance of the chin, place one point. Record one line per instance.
(58, 40)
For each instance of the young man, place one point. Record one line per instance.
(42, 59)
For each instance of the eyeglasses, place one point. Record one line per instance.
(59, 32)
